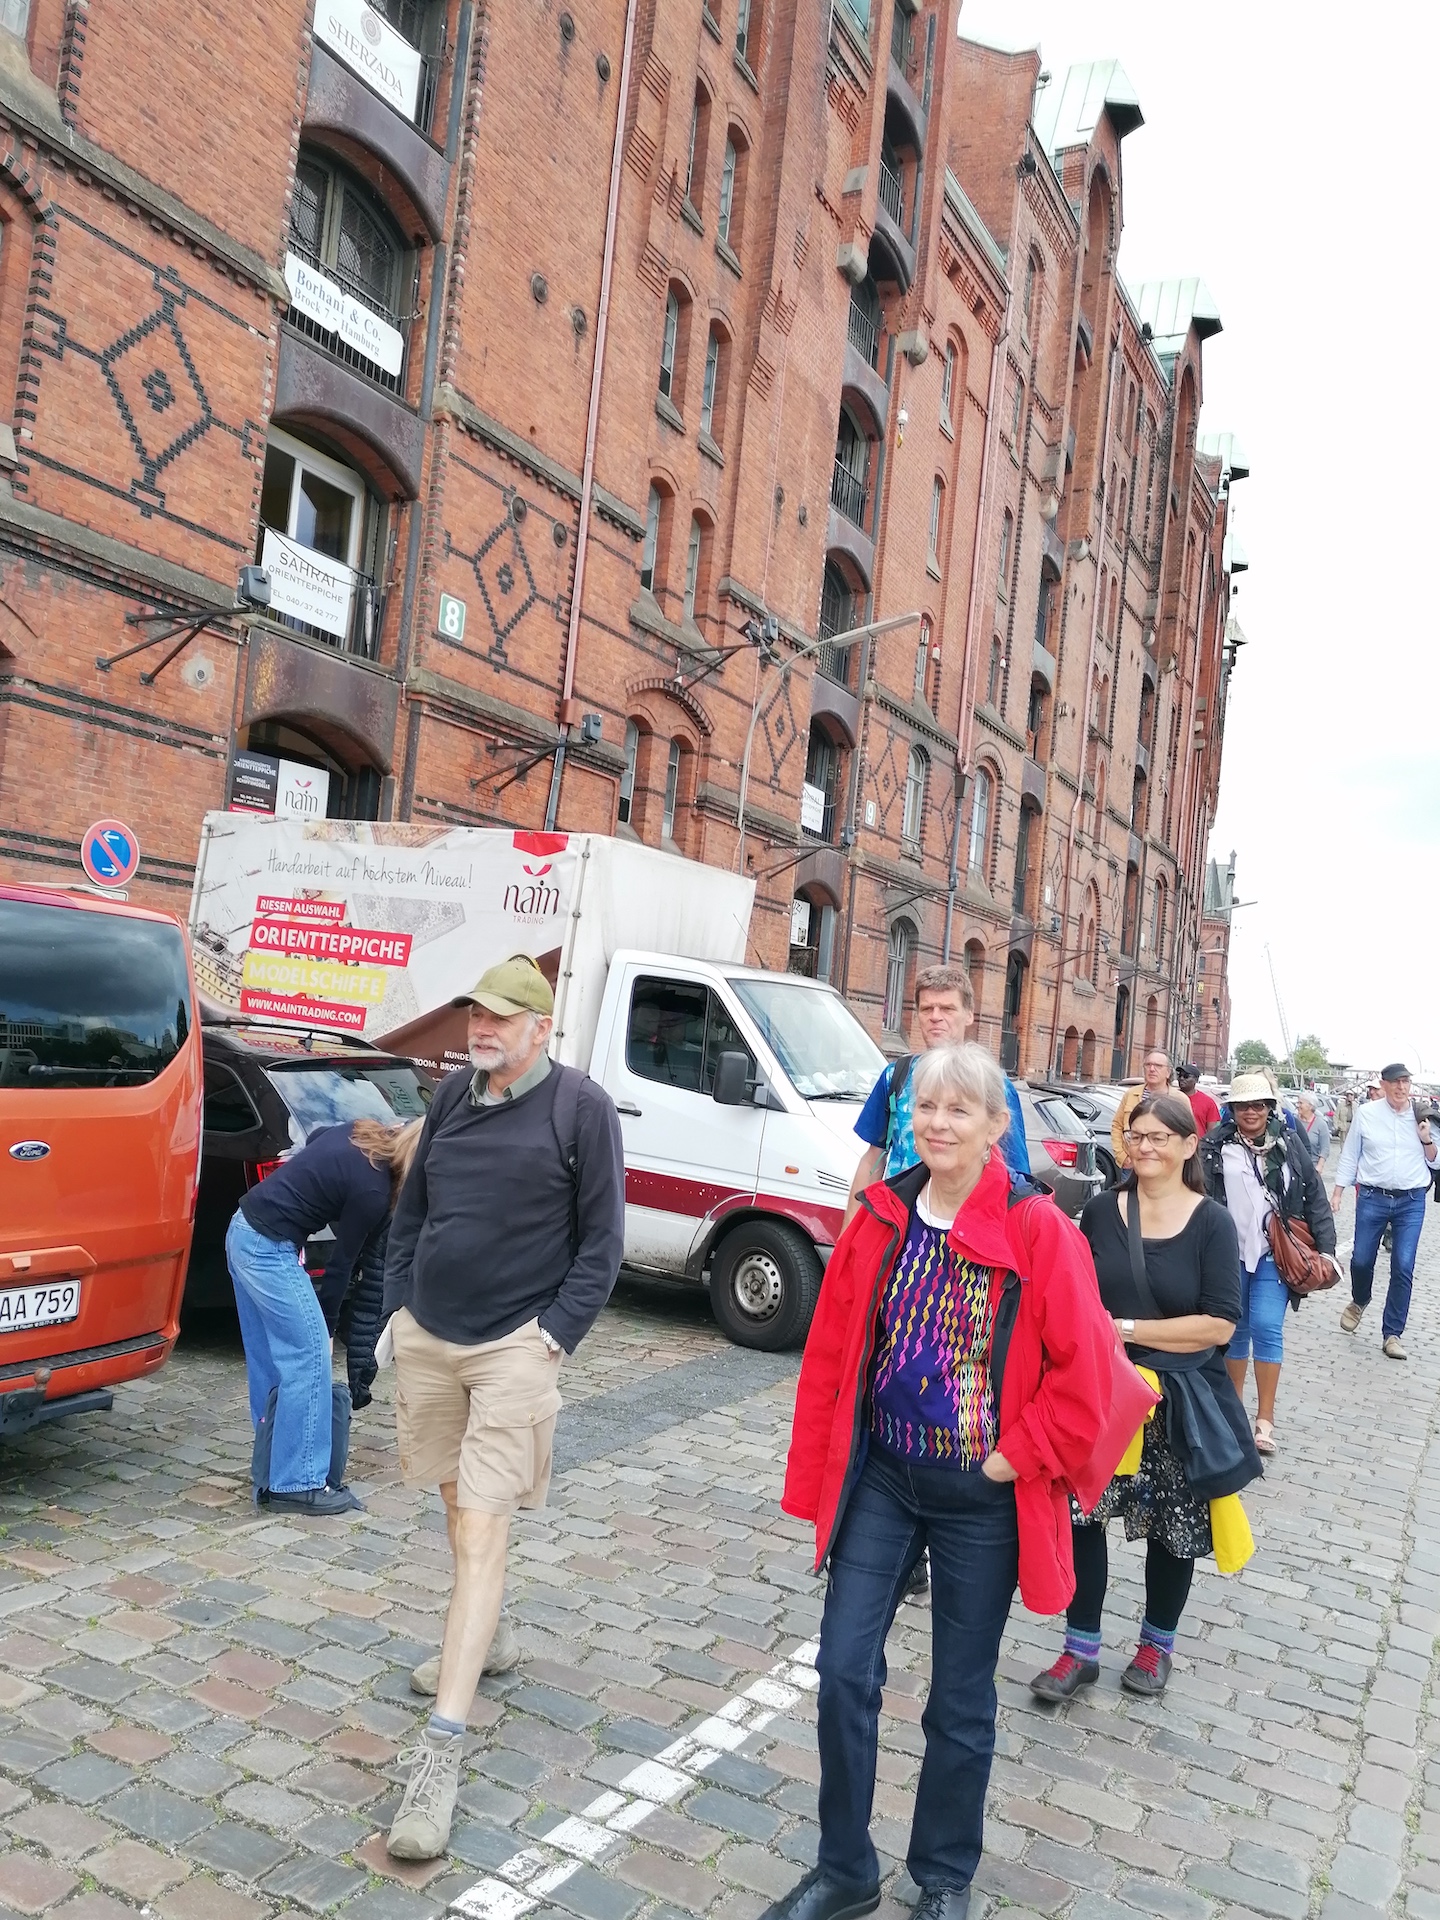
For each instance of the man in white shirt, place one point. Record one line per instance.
(1390, 1161)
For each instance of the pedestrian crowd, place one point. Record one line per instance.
(985, 1386)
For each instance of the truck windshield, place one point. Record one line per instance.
(819, 1042)
(332, 1092)
(88, 999)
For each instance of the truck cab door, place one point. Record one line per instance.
(684, 1154)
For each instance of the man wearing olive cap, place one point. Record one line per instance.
(1390, 1160)
(505, 1245)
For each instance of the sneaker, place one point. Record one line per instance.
(421, 1829)
(919, 1581)
(818, 1897)
(1393, 1349)
(1065, 1679)
(503, 1655)
(1351, 1317)
(1148, 1671)
(318, 1500)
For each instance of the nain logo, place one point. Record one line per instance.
(534, 900)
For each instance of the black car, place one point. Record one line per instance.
(267, 1088)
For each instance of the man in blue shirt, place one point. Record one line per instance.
(1390, 1159)
(944, 1012)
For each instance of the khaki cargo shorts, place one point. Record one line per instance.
(482, 1416)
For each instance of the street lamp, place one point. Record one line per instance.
(767, 657)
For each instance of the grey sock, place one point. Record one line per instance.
(437, 1723)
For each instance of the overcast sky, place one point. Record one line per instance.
(1290, 165)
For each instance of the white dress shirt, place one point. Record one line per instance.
(1383, 1149)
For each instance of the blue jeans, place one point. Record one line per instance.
(286, 1347)
(1405, 1214)
(969, 1525)
(1264, 1299)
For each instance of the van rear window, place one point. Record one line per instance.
(88, 999)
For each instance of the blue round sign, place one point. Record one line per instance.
(109, 853)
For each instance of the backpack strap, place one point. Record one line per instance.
(899, 1078)
(565, 1118)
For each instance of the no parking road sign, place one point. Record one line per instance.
(109, 853)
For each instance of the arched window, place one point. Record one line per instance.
(850, 481)
(912, 817)
(1025, 835)
(975, 967)
(650, 556)
(980, 820)
(937, 512)
(1157, 935)
(822, 777)
(1017, 410)
(1031, 302)
(747, 31)
(694, 553)
(1122, 515)
(997, 671)
(672, 792)
(339, 229)
(320, 534)
(947, 387)
(626, 803)
(699, 140)
(712, 395)
(897, 973)
(1007, 535)
(672, 346)
(1114, 612)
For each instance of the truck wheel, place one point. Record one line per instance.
(764, 1282)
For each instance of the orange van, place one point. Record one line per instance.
(100, 1108)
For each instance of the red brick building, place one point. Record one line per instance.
(1209, 1033)
(581, 379)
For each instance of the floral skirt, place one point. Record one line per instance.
(1155, 1502)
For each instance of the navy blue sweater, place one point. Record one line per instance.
(329, 1183)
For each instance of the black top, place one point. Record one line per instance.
(328, 1183)
(1195, 1271)
(490, 1230)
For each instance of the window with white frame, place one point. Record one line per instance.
(727, 193)
(311, 505)
(947, 387)
(913, 812)
(937, 508)
(712, 374)
(626, 805)
(897, 972)
(980, 821)
(692, 567)
(651, 544)
(672, 789)
(669, 343)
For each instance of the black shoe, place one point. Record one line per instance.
(919, 1581)
(319, 1500)
(1065, 1679)
(1148, 1672)
(943, 1903)
(818, 1897)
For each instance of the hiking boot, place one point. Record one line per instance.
(1148, 1671)
(421, 1829)
(503, 1655)
(919, 1581)
(1393, 1349)
(818, 1897)
(1065, 1679)
(1351, 1317)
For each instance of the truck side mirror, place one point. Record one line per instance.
(732, 1079)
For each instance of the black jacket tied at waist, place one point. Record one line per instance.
(1206, 1423)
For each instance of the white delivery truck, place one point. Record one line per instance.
(738, 1089)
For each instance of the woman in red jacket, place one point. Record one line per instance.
(957, 1375)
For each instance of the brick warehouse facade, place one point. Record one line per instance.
(863, 362)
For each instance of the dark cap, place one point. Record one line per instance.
(1397, 1070)
(1188, 1072)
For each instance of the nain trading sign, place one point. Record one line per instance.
(370, 46)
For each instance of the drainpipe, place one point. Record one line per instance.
(587, 477)
(1085, 714)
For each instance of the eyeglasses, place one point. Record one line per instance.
(1151, 1141)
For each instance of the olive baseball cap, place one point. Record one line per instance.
(515, 985)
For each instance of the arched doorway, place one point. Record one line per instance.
(1070, 1054)
(1010, 1012)
(288, 765)
(812, 933)
(1087, 1055)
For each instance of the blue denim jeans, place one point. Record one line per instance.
(1405, 1214)
(1264, 1299)
(895, 1510)
(287, 1348)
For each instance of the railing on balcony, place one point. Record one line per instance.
(847, 494)
(817, 814)
(410, 19)
(864, 332)
(361, 637)
(892, 193)
(339, 349)
(834, 663)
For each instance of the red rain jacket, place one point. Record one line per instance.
(1051, 1364)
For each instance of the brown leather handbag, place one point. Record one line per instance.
(1299, 1262)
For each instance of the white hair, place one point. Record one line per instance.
(967, 1070)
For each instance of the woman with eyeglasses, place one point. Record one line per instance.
(1187, 1255)
(1254, 1166)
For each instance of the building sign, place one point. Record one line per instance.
(329, 306)
(451, 618)
(264, 783)
(308, 586)
(370, 46)
(812, 808)
(799, 923)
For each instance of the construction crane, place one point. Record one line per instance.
(1284, 1028)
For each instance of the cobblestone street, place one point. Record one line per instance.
(200, 1708)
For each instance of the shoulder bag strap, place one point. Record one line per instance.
(1137, 1257)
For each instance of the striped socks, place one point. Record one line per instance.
(1154, 1637)
(1083, 1646)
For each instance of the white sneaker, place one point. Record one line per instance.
(503, 1655)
